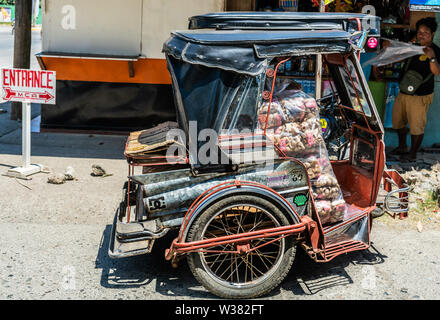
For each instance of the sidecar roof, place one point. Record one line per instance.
(349, 22)
(232, 37)
(247, 52)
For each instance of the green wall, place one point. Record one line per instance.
(13, 13)
(12, 9)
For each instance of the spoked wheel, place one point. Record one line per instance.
(245, 269)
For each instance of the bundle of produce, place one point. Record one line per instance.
(295, 128)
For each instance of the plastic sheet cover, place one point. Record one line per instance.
(397, 51)
(295, 128)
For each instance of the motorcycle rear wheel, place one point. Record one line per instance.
(249, 274)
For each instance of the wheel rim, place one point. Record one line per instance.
(246, 269)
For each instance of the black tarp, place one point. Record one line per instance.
(287, 21)
(247, 52)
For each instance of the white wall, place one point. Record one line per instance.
(160, 17)
(96, 27)
(114, 27)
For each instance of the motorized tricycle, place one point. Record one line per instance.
(255, 166)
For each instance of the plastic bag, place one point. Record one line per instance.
(397, 51)
(295, 128)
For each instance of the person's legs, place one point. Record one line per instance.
(416, 142)
(401, 134)
(417, 111)
(399, 120)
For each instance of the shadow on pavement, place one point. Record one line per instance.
(139, 271)
(6, 166)
(306, 277)
(309, 277)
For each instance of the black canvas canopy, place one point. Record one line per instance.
(247, 52)
(349, 22)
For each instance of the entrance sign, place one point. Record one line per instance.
(36, 86)
(27, 86)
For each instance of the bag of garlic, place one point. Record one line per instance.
(295, 128)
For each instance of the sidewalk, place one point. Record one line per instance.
(57, 151)
(56, 144)
(36, 28)
(86, 200)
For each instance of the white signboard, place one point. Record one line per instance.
(27, 86)
(24, 85)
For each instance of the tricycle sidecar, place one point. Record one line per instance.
(255, 167)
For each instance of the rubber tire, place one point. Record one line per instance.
(218, 289)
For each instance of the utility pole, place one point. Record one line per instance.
(22, 44)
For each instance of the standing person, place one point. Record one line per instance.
(416, 91)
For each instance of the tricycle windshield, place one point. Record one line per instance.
(356, 95)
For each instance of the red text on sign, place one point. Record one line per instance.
(27, 78)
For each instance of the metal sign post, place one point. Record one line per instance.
(27, 86)
(27, 168)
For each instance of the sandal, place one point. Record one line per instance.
(408, 157)
(399, 151)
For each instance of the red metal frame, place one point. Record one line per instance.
(271, 92)
(337, 249)
(179, 246)
(379, 160)
(186, 247)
